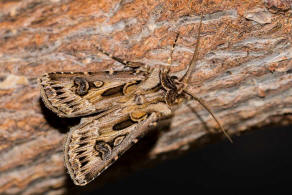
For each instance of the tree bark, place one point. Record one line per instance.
(244, 73)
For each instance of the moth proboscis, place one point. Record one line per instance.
(117, 109)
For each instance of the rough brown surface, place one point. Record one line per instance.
(244, 73)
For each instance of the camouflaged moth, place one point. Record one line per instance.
(116, 109)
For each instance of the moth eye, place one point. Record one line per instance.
(98, 84)
(176, 81)
(104, 150)
(82, 86)
(118, 140)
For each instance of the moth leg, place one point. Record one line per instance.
(167, 68)
(210, 112)
(124, 62)
(172, 49)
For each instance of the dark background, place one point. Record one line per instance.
(257, 161)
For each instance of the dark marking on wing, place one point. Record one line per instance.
(113, 91)
(122, 125)
(104, 150)
(82, 86)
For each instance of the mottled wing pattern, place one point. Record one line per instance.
(93, 145)
(78, 94)
(124, 103)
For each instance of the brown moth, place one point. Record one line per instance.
(117, 109)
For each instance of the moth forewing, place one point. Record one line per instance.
(93, 145)
(76, 94)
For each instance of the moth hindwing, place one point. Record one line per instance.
(117, 109)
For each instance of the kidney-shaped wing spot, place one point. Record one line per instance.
(82, 86)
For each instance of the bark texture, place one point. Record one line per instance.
(244, 73)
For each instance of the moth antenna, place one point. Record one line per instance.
(186, 77)
(124, 62)
(167, 69)
(211, 113)
(172, 49)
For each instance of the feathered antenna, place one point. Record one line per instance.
(187, 76)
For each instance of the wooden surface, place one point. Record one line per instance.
(244, 74)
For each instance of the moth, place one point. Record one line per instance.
(117, 109)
